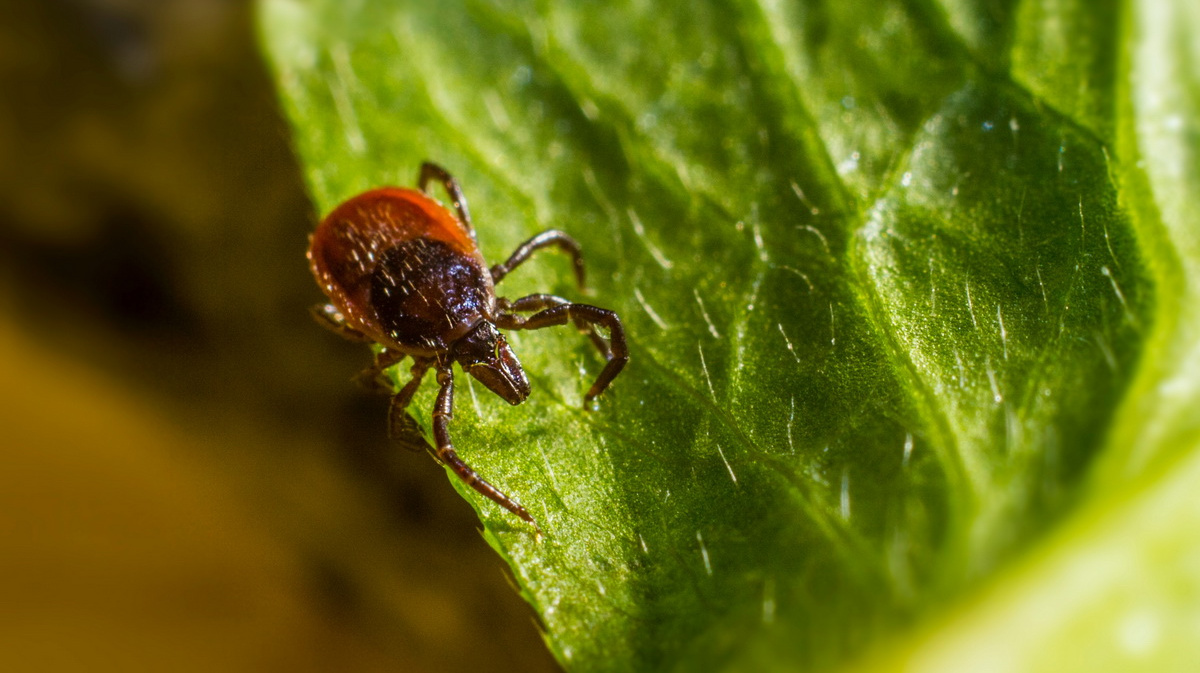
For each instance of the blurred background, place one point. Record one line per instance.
(188, 478)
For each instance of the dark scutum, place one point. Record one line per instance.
(426, 295)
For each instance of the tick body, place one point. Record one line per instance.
(403, 271)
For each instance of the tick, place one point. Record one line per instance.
(403, 271)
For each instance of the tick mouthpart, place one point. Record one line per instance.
(485, 354)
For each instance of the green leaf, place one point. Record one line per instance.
(910, 295)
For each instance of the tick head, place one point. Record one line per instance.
(486, 355)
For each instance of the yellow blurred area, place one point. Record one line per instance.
(117, 553)
(188, 478)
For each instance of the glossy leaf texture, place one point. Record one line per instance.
(910, 291)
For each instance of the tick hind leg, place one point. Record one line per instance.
(443, 412)
(617, 351)
(432, 171)
(402, 427)
(371, 378)
(329, 317)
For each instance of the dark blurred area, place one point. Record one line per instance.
(188, 479)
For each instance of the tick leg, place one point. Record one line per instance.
(552, 237)
(432, 171)
(589, 315)
(372, 377)
(332, 319)
(329, 317)
(530, 303)
(443, 412)
(538, 302)
(401, 426)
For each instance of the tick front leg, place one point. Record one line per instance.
(432, 171)
(552, 237)
(531, 303)
(589, 315)
(538, 302)
(443, 412)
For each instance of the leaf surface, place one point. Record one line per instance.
(903, 281)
